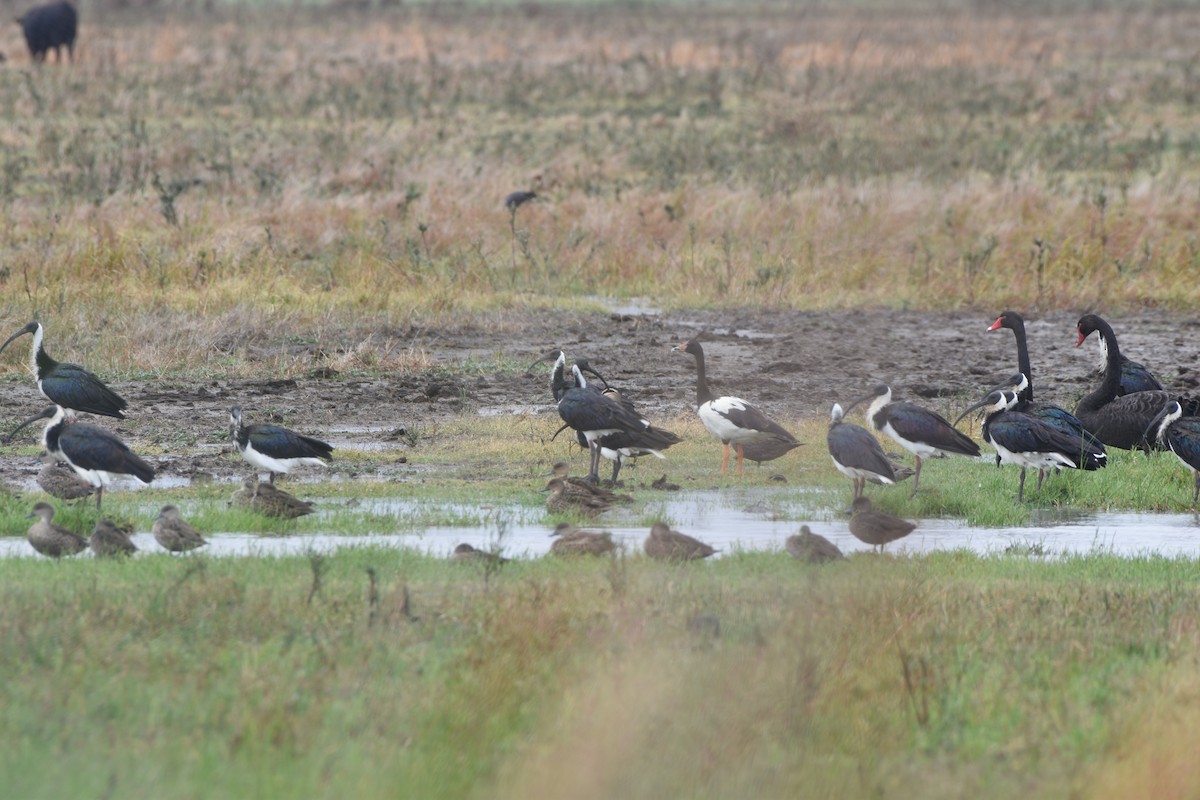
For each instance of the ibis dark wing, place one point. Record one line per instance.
(1025, 433)
(918, 424)
(1183, 437)
(587, 409)
(853, 446)
(71, 386)
(279, 442)
(91, 447)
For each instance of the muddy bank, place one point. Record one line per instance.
(794, 364)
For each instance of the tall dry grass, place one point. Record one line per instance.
(312, 167)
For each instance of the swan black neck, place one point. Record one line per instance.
(1016, 323)
(1110, 385)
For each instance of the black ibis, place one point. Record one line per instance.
(731, 419)
(924, 433)
(812, 547)
(68, 385)
(174, 533)
(1052, 415)
(664, 544)
(49, 539)
(563, 500)
(1026, 441)
(109, 541)
(571, 541)
(95, 454)
(589, 411)
(876, 528)
(856, 453)
(466, 552)
(275, 448)
(1119, 421)
(1180, 435)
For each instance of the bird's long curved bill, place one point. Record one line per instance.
(44, 414)
(27, 329)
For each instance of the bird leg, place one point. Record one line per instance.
(594, 467)
(1041, 476)
(916, 478)
(271, 478)
(616, 469)
(99, 494)
(858, 484)
(1021, 486)
(725, 460)
(1196, 494)
(739, 455)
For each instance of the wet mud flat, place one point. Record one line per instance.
(794, 364)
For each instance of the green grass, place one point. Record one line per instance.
(934, 676)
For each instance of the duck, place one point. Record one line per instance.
(812, 547)
(49, 539)
(59, 480)
(564, 501)
(665, 544)
(466, 552)
(732, 420)
(571, 541)
(876, 528)
(173, 533)
(109, 541)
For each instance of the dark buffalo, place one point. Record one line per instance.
(50, 27)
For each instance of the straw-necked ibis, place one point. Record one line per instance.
(1052, 415)
(275, 448)
(1180, 435)
(95, 454)
(924, 433)
(856, 453)
(65, 384)
(1026, 441)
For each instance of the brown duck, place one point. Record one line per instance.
(581, 488)
(571, 541)
(49, 539)
(59, 480)
(564, 501)
(466, 552)
(174, 534)
(875, 527)
(812, 547)
(109, 541)
(668, 545)
(269, 500)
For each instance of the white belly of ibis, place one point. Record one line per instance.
(916, 448)
(1033, 460)
(282, 465)
(866, 474)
